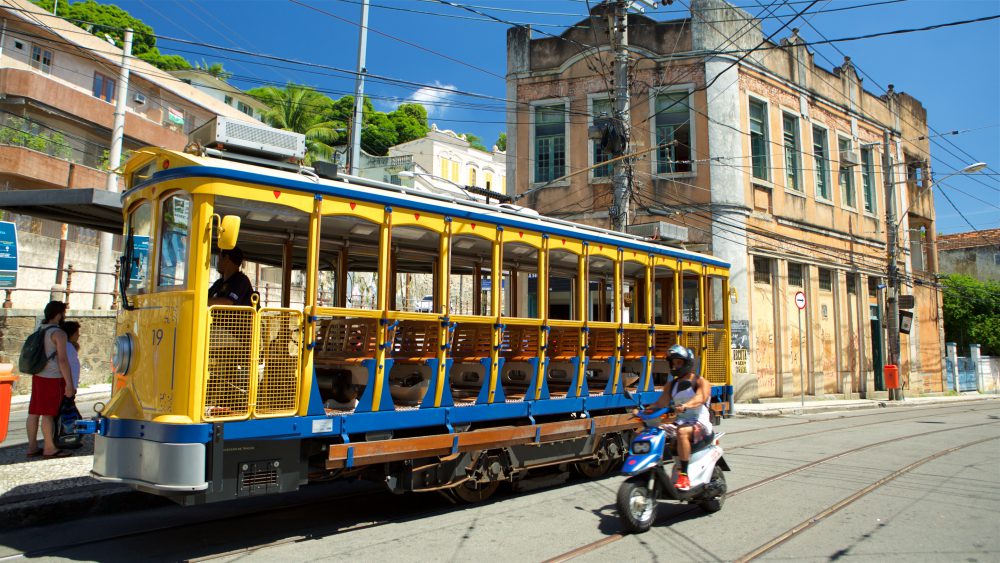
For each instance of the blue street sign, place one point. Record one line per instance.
(488, 284)
(8, 254)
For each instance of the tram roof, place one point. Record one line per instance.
(365, 189)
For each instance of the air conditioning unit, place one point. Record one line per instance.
(236, 135)
(850, 158)
(659, 230)
(140, 98)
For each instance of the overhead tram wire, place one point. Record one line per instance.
(573, 26)
(873, 81)
(402, 82)
(403, 41)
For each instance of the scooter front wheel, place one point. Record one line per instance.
(637, 504)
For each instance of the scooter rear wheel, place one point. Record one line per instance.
(637, 504)
(715, 504)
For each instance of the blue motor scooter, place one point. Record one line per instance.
(649, 481)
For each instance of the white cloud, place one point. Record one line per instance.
(434, 98)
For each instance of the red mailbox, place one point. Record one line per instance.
(7, 379)
(891, 377)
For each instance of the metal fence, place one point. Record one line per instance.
(967, 375)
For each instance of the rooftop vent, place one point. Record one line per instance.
(238, 136)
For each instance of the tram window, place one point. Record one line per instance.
(350, 253)
(691, 303)
(664, 305)
(470, 284)
(141, 222)
(413, 261)
(174, 227)
(601, 274)
(520, 296)
(562, 285)
(716, 300)
(633, 292)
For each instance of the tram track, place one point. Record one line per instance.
(298, 505)
(594, 546)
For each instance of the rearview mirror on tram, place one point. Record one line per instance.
(229, 232)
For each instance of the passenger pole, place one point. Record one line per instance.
(103, 282)
(359, 93)
(620, 201)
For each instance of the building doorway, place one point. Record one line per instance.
(876, 326)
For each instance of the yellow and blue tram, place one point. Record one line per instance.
(542, 337)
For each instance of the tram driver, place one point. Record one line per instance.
(234, 287)
(690, 395)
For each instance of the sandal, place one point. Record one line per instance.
(58, 453)
(35, 453)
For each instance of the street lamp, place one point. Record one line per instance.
(970, 169)
(414, 174)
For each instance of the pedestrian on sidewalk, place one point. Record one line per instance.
(50, 385)
(66, 436)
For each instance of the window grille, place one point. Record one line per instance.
(762, 270)
(794, 274)
(825, 279)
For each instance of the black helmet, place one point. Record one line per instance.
(678, 352)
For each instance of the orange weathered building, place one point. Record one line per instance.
(773, 164)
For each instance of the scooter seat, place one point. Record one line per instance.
(703, 443)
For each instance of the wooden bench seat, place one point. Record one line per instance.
(416, 341)
(634, 344)
(520, 343)
(564, 344)
(471, 342)
(601, 343)
(345, 341)
(662, 341)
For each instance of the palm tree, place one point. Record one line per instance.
(300, 109)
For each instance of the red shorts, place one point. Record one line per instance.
(46, 395)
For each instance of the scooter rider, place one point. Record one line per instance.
(690, 395)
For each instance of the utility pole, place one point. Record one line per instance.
(359, 93)
(620, 205)
(892, 295)
(103, 283)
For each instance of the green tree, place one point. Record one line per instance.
(303, 110)
(214, 69)
(108, 20)
(502, 142)
(971, 312)
(410, 122)
(475, 142)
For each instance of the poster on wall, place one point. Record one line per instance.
(739, 335)
(8, 254)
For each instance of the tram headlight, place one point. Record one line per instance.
(641, 447)
(121, 361)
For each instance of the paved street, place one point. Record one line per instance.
(944, 509)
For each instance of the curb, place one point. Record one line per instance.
(784, 411)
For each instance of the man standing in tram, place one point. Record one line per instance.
(690, 395)
(234, 287)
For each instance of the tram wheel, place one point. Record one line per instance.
(594, 468)
(470, 492)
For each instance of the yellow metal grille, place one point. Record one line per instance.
(279, 367)
(716, 357)
(232, 370)
(692, 340)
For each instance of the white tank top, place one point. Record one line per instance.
(699, 413)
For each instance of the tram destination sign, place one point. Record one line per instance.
(8, 254)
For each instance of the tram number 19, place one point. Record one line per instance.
(157, 336)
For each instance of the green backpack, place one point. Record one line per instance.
(33, 359)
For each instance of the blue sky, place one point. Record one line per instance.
(954, 72)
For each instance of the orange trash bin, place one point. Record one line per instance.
(891, 377)
(7, 379)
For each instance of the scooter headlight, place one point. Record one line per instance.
(641, 447)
